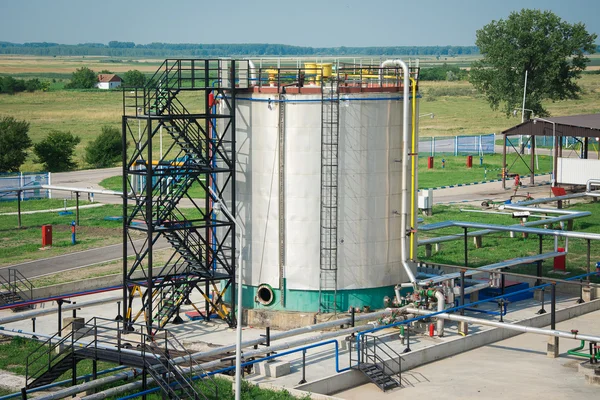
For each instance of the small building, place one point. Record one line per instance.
(108, 81)
(572, 141)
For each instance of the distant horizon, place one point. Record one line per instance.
(310, 23)
(232, 44)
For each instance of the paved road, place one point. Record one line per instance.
(85, 258)
(87, 179)
(475, 193)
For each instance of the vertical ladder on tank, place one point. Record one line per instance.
(329, 196)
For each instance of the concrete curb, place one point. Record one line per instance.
(294, 392)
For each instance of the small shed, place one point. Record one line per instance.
(108, 81)
(572, 141)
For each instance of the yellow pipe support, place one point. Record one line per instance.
(413, 168)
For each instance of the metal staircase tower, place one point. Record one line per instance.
(178, 144)
(330, 128)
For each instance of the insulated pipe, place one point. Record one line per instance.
(514, 327)
(252, 71)
(405, 165)
(526, 228)
(204, 366)
(474, 288)
(590, 183)
(441, 305)
(36, 313)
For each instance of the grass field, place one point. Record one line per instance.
(19, 245)
(457, 107)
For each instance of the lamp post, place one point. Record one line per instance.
(554, 149)
(238, 341)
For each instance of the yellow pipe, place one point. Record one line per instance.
(413, 174)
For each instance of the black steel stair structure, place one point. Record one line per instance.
(196, 153)
(329, 196)
(105, 340)
(378, 361)
(175, 379)
(15, 288)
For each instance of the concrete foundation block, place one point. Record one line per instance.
(273, 369)
(552, 348)
(478, 241)
(588, 294)
(283, 320)
(473, 298)
(71, 324)
(428, 250)
(438, 247)
(463, 328)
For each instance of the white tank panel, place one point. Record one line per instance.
(369, 186)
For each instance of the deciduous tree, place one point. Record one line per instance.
(56, 151)
(552, 51)
(82, 78)
(106, 149)
(14, 142)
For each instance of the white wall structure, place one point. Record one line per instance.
(576, 171)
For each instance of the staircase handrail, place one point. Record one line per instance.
(390, 353)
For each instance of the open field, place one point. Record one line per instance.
(19, 245)
(457, 107)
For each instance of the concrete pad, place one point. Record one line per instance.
(509, 369)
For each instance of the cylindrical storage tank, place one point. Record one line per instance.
(368, 207)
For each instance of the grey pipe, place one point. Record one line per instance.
(129, 374)
(250, 354)
(490, 228)
(490, 268)
(590, 183)
(514, 327)
(45, 311)
(405, 166)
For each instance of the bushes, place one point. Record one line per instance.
(10, 85)
(106, 149)
(82, 78)
(56, 151)
(443, 73)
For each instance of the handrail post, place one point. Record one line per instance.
(303, 380)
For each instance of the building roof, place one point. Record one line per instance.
(109, 78)
(585, 125)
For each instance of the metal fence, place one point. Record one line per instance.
(457, 145)
(16, 180)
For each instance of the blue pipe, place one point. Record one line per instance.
(54, 384)
(196, 377)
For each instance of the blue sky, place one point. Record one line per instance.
(324, 23)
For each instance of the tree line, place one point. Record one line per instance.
(131, 49)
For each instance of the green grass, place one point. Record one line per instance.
(456, 172)
(116, 183)
(499, 246)
(458, 109)
(14, 352)
(18, 245)
(225, 391)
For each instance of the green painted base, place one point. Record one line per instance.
(308, 300)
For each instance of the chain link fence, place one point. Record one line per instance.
(18, 180)
(457, 145)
